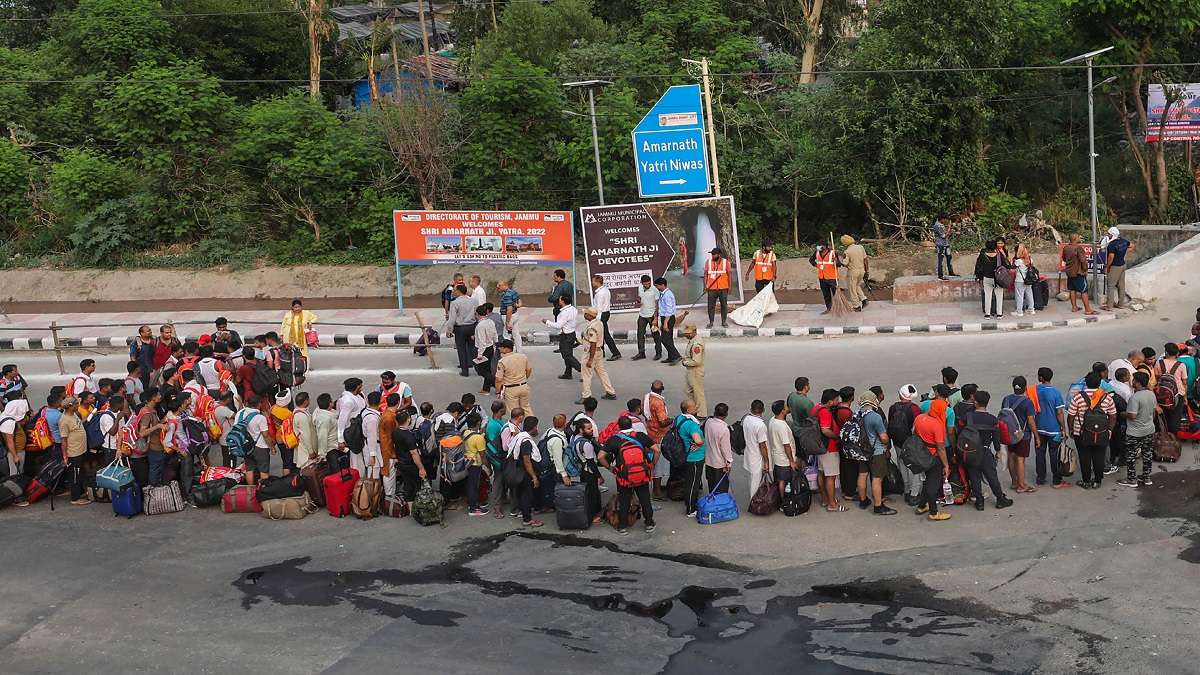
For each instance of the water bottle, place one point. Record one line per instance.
(947, 492)
(787, 489)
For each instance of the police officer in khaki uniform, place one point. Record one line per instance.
(693, 362)
(593, 360)
(512, 378)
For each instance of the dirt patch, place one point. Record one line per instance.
(1175, 494)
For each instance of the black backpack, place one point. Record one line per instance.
(1032, 275)
(1093, 427)
(853, 439)
(354, 436)
(970, 443)
(737, 437)
(265, 381)
(672, 447)
(900, 421)
(809, 438)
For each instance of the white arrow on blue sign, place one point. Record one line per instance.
(669, 146)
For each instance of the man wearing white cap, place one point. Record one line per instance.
(1114, 269)
(900, 419)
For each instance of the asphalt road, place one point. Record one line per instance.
(1065, 581)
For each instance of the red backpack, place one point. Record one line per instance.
(631, 467)
(613, 428)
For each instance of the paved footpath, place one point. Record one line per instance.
(389, 326)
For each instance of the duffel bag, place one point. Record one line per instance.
(288, 508)
(280, 487)
(241, 499)
(313, 477)
(164, 499)
(115, 476)
(717, 507)
(429, 506)
(395, 507)
(12, 489)
(210, 493)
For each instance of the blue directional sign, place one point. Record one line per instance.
(669, 146)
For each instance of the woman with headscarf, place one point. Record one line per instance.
(877, 441)
(296, 323)
(12, 426)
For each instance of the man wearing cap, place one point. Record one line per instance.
(512, 377)
(693, 362)
(826, 261)
(766, 267)
(1114, 269)
(716, 282)
(593, 337)
(857, 268)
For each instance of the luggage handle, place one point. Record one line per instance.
(713, 491)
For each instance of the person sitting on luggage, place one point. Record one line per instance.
(610, 457)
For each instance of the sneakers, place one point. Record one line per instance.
(623, 531)
(478, 512)
(1147, 481)
(1111, 470)
(1127, 483)
(649, 529)
(922, 509)
(987, 316)
(691, 514)
(940, 515)
(1086, 485)
(638, 357)
(1003, 503)
(978, 504)
(609, 397)
(864, 504)
(1018, 313)
(884, 511)
(1060, 485)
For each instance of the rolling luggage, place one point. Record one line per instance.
(1041, 295)
(338, 488)
(127, 501)
(312, 476)
(241, 499)
(288, 508)
(570, 505)
(163, 499)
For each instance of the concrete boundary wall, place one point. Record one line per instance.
(1168, 274)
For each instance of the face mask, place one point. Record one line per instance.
(260, 353)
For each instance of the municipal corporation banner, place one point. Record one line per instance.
(501, 237)
(670, 239)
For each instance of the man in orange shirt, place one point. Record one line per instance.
(931, 428)
(716, 282)
(765, 268)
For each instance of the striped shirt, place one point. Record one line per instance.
(509, 299)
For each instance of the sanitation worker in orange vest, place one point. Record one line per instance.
(826, 261)
(765, 267)
(716, 283)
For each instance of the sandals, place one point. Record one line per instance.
(841, 508)
(1027, 490)
(533, 523)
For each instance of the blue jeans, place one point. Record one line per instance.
(158, 460)
(943, 253)
(1049, 447)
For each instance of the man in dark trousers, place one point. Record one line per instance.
(563, 327)
(460, 325)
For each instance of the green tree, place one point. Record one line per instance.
(111, 36)
(691, 27)
(15, 168)
(17, 107)
(617, 113)
(540, 33)
(508, 162)
(83, 179)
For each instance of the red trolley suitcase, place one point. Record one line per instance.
(339, 485)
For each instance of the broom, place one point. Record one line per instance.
(841, 304)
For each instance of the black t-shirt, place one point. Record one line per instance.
(403, 443)
(612, 447)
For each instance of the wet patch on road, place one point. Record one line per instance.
(1175, 494)
(718, 617)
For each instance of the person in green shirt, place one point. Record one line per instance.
(950, 379)
(1187, 356)
(494, 453)
(798, 402)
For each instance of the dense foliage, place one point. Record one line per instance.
(182, 131)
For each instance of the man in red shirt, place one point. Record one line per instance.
(164, 346)
(245, 373)
(829, 464)
(931, 428)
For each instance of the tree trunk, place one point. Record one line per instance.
(1135, 146)
(424, 40)
(315, 18)
(808, 62)
(372, 80)
(796, 215)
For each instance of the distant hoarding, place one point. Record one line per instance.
(1183, 120)
(483, 237)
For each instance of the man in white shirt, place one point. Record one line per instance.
(647, 318)
(110, 426)
(564, 327)
(477, 291)
(371, 459)
(83, 380)
(349, 405)
(485, 350)
(307, 450)
(1130, 363)
(602, 302)
(258, 462)
(208, 371)
(757, 455)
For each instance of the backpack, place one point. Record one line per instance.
(354, 436)
(1093, 427)
(1009, 427)
(809, 438)
(95, 437)
(915, 455)
(796, 498)
(900, 421)
(853, 439)
(239, 439)
(630, 466)
(194, 435)
(454, 458)
(292, 365)
(265, 380)
(514, 468)
(672, 447)
(128, 442)
(424, 432)
(42, 437)
(546, 464)
(573, 457)
(1032, 275)
(611, 429)
(1167, 388)
(737, 437)
(970, 443)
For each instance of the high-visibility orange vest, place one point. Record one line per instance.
(764, 266)
(827, 266)
(716, 277)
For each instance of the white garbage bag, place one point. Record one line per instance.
(761, 306)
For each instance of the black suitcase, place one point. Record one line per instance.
(570, 503)
(1041, 295)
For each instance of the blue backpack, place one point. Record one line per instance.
(573, 456)
(239, 439)
(95, 437)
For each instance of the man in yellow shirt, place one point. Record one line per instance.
(476, 443)
(857, 268)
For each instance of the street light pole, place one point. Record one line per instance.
(1092, 264)
(591, 85)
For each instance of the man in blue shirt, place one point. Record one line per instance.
(666, 318)
(693, 441)
(1050, 419)
(510, 302)
(1114, 269)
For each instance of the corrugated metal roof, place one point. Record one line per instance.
(443, 68)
